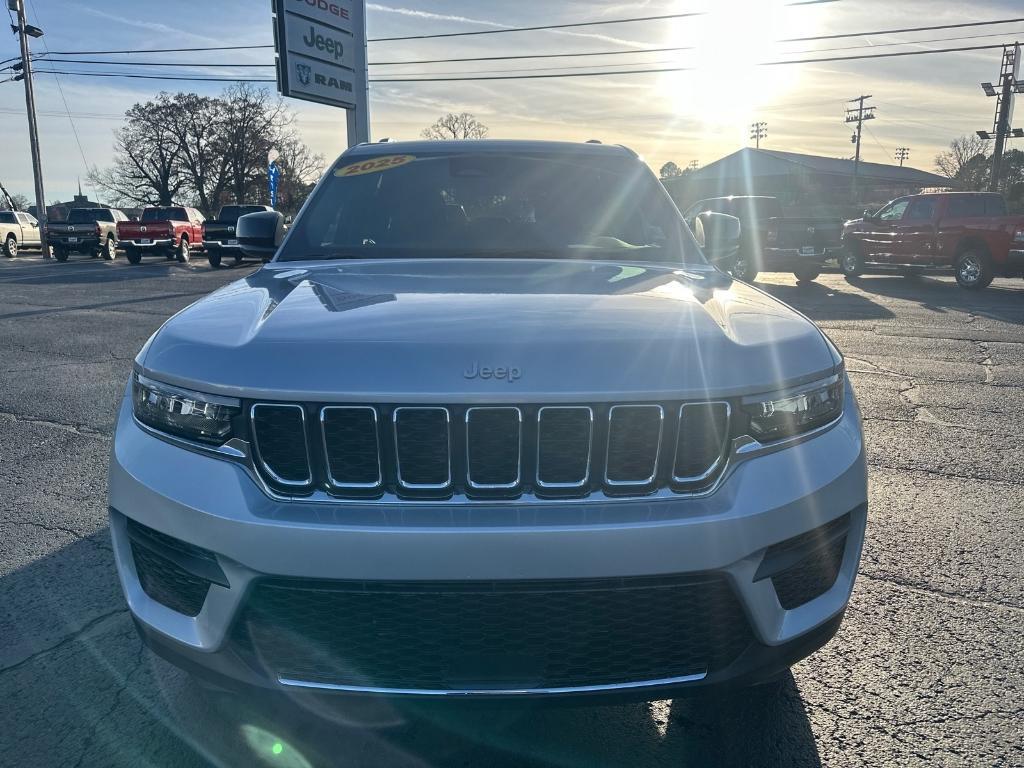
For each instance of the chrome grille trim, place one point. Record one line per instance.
(657, 454)
(396, 414)
(519, 450)
(331, 480)
(590, 446)
(723, 452)
(305, 440)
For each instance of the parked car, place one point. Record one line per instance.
(772, 242)
(968, 231)
(86, 230)
(17, 230)
(219, 234)
(489, 424)
(168, 231)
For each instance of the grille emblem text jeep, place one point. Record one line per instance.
(477, 371)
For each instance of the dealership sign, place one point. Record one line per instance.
(321, 51)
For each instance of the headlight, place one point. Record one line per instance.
(797, 410)
(182, 412)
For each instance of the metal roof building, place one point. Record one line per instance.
(800, 181)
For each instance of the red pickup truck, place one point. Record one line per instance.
(170, 231)
(968, 231)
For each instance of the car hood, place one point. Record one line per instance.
(485, 330)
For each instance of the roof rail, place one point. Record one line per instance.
(593, 141)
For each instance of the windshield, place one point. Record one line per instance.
(516, 205)
(231, 213)
(164, 214)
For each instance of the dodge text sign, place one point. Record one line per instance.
(321, 51)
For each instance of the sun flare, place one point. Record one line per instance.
(726, 51)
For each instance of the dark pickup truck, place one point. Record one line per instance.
(771, 242)
(219, 233)
(86, 230)
(170, 231)
(968, 231)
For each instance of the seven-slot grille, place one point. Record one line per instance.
(496, 451)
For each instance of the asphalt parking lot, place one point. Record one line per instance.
(928, 668)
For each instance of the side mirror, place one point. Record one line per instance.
(718, 234)
(867, 214)
(260, 234)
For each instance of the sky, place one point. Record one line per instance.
(700, 114)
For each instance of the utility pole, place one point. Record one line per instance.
(1003, 92)
(858, 115)
(25, 31)
(758, 131)
(902, 153)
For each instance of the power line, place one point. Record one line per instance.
(159, 77)
(47, 58)
(466, 78)
(685, 69)
(905, 29)
(539, 28)
(161, 50)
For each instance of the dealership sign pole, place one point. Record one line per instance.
(321, 57)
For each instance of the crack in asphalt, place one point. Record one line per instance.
(941, 594)
(80, 535)
(78, 429)
(68, 638)
(102, 719)
(943, 473)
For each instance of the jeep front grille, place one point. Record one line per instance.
(500, 451)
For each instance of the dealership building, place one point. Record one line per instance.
(807, 183)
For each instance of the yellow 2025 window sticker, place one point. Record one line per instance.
(374, 164)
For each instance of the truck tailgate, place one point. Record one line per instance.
(807, 233)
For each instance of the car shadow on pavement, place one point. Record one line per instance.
(997, 302)
(87, 693)
(93, 271)
(822, 302)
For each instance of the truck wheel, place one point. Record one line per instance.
(744, 270)
(973, 269)
(109, 249)
(851, 262)
(132, 254)
(182, 254)
(59, 253)
(807, 272)
(11, 247)
(238, 259)
(214, 257)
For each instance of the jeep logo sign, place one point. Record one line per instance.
(321, 51)
(311, 40)
(506, 373)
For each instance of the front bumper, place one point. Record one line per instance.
(763, 502)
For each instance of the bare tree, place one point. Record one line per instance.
(253, 122)
(147, 166)
(20, 201)
(452, 126)
(199, 126)
(670, 170)
(965, 162)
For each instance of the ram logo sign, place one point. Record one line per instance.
(303, 72)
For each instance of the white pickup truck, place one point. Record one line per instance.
(18, 230)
